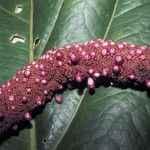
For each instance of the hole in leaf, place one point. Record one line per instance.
(18, 9)
(44, 140)
(36, 41)
(17, 38)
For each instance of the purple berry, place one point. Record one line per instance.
(58, 99)
(27, 73)
(28, 116)
(105, 72)
(116, 69)
(132, 77)
(79, 77)
(90, 83)
(24, 100)
(39, 101)
(119, 60)
(59, 55)
(148, 83)
(15, 127)
(74, 58)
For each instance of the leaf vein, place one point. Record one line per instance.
(12, 14)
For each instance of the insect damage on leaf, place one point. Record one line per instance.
(17, 38)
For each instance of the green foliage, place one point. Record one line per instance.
(112, 118)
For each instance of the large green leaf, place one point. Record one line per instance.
(14, 53)
(78, 22)
(112, 118)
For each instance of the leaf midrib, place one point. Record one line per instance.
(85, 91)
(32, 131)
(53, 27)
(111, 20)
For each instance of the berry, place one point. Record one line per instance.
(95, 61)
(15, 127)
(105, 72)
(74, 58)
(148, 83)
(119, 60)
(58, 99)
(28, 116)
(90, 83)
(27, 73)
(24, 100)
(59, 55)
(39, 101)
(116, 69)
(79, 77)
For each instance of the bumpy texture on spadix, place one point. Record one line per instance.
(39, 80)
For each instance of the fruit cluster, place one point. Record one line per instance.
(40, 80)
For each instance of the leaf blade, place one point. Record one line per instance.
(15, 42)
(111, 32)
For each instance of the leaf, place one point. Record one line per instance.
(45, 17)
(15, 43)
(13, 55)
(112, 118)
(49, 133)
